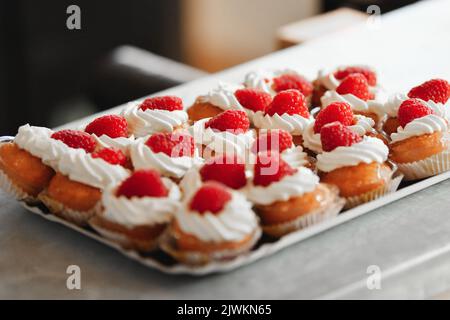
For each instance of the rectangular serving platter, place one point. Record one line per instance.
(160, 261)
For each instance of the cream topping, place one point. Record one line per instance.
(145, 211)
(294, 124)
(263, 79)
(143, 123)
(234, 223)
(420, 126)
(123, 144)
(143, 157)
(301, 182)
(357, 104)
(295, 157)
(366, 151)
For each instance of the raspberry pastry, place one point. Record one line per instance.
(354, 89)
(227, 133)
(229, 97)
(136, 213)
(343, 113)
(330, 80)
(288, 199)
(216, 223)
(75, 191)
(171, 154)
(420, 145)
(434, 93)
(276, 81)
(288, 111)
(111, 131)
(281, 141)
(226, 169)
(157, 114)
(356, 165)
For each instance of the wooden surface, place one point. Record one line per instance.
(409, 240)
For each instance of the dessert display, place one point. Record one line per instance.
(288, 111)
(137, 212)
(156, 114)
(216, 223)
(246, 170)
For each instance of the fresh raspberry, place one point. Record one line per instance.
(370, 75)
(113, 126)
(335, 135)
(336, 111)
(293, 81)
(169, 103)
(355, 84)
(253, 99)
(225, 169)
(230, 120)
(269, 168)
(112, 156)
(76, 139)
(290, 102)
(211, 197)
(437, 90)
(277, 140)
(412, 109)
(143, 183)
(173, 144)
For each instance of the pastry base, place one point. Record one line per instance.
(417, 148)
(142, 238)
(7, 185)
(201, 110)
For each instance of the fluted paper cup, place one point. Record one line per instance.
(431, 166)
(7, 185)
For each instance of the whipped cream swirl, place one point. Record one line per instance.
(225, 142)
(96, 172)
(420, 126)
(38, 142)
(235, 222)
(123, 144)
(366, 151)
(263, 79)
(357, 104)
(143, 123)
(301, 182)
(294, 124)
(146, 211)
(295, 157)
(143, 157)
(394, 102)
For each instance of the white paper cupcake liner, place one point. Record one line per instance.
(168, 245)
(80, 218)
(391, 186)
(331, 210)
(124, 240)
(7, 185)
(428, 167)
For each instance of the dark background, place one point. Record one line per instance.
(49, 74)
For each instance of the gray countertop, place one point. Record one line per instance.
(409, 240)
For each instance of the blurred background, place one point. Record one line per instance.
(124, 50)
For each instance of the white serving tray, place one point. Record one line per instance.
(163, 263)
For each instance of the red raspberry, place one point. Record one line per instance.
(225, 169)
(143, 183)
(277, 140)
(113, 126)
(230, 120)
(169, 103)
(412, 109)
(290, 102)
(335, 135)
(211, 197)
(269, 168)
(253, 99)
(337, 111)
(112, 156)
(437, 90)
(293, 81)
(355, 84)
(173, 144)
(76, 139)
(370, 75)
